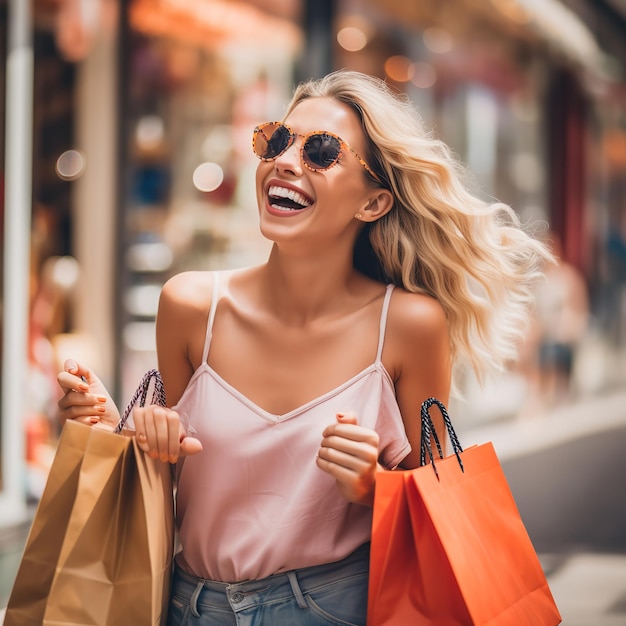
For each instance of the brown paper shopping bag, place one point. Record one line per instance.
(449, 546)
(100, 547)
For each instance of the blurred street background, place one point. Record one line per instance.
(126, 127)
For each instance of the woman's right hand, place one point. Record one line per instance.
(161, 435)
(85, 399)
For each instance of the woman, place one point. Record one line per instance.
(308, 377)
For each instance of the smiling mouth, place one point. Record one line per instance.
(283, 199)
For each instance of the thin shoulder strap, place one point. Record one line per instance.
(383, 322)
(209, 326)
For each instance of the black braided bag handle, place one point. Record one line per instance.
(141, 394)
(428, 431)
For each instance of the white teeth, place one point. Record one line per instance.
(282, 208)
(290, 194)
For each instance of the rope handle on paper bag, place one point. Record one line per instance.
(428, 431)
(140, 395)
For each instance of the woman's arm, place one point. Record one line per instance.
(421, 345)
(182, 314)
(158, 429)
(177, 321)
(417, 354)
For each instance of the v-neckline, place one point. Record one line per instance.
(276, 418)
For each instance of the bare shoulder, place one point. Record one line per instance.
(188, 289)
(417, 329)
(187, 296)
(415, 315)
(183, 306)
(180, 326)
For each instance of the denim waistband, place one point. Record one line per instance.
(294, 583)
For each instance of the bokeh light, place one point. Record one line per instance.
(208, 176)
(438, 40)
(399, 68)
(352, 38)
(65, 272)
(423, 75)
(149, 132)
(70, 165)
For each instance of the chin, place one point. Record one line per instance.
(278, 229)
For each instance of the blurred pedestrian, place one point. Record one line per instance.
(562, 306)
(308, 376)
(615, 280)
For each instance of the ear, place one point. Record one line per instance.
(379, 204)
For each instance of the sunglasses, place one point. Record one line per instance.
(320, 149)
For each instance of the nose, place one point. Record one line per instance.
(289, 160)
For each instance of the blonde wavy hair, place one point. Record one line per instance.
(474, 257)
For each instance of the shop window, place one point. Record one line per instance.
(195, 88)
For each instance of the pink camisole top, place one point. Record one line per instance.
(253, 502)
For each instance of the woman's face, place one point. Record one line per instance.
(298, 203)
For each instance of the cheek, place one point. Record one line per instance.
(262, 171)
(350, 191)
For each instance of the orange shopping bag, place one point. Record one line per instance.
(449, 546)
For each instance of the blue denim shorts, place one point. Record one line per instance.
(333, 593)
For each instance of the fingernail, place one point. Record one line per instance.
(173, 458)
(101, 399)
(94, 419)
(83, 387)
(100, 408)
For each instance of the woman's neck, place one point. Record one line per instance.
(303, 287)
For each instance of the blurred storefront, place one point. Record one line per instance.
(38, 273)
(141, 167)
(143, 113)
(197, 78)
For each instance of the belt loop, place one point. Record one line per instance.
(193, 602)
(295, 587)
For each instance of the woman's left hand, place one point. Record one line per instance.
(349, 453)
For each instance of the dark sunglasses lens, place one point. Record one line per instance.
(271, 140)
(321, 151)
